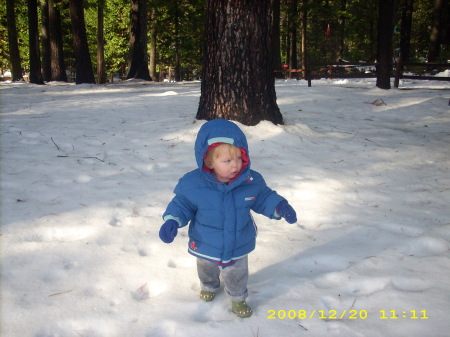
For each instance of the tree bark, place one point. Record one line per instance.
(276, 48)
(237, 78)
(83, 65)
(14, 55)
(35, 62)
(152, 56)
(435, 38)
(384, 43)
(45, 42)
(101, 75)
(341, 37)
(304, 18)
(405, 39)
(292, 24)
(57, 64)
(138, 57)
(177, 42)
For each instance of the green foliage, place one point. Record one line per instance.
(421, 31)
(4, 54)
(190, 16)
(20, 7)
(361, 19)
(116, 33)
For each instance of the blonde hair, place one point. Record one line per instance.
(215, 152)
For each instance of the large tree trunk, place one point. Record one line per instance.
(14, 56)
(435, 38)
(405, 38)
(341, 37)
(101, 75)
(276, 48)
(292, 24)
(138, 59)
(384, 44)
(83, 65)
(177, 42)
(35, 61)
(237, 77)
(304, 18)
(152, 56)
(57, 64)
(45, 42)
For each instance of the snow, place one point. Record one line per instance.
(87, 171)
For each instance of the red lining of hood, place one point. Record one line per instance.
(245, 160)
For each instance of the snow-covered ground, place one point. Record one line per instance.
(87, 171)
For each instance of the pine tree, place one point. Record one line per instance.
(238, 80)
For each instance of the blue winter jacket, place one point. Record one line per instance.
(221, 228)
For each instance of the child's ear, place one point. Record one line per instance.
(208, 164)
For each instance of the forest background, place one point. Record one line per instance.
(333, 31)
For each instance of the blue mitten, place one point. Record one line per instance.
(168, 231)
(286, 211)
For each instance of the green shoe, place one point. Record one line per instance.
(241, 309)
(207, 296)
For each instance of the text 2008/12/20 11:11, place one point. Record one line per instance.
(345, 314)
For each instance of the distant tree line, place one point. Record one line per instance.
(51, 39)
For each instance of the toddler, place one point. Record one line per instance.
(215, 200)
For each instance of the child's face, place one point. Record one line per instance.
(225, 166)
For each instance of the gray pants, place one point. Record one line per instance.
(235, 278)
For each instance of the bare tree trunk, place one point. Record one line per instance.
(405, 38)
(45, 42)
(152, 61)
(237, 78)
(101, 75)
(33, 31)
(435, 38)
(384, 43)
(84, 71)
(177, 41)
(277, 66)
(14, 55)
(292, 23)
(57, 64)
(138, 59)
(341, 37)
(304, 18)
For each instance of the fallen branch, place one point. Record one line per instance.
(55, 144)
(62, 292)
(377, 102)
(88, 157)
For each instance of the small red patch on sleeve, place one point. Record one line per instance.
(193, 245)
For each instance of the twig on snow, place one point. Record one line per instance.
(55, 144)
(303, 327)
(88, 157)
(60, 293)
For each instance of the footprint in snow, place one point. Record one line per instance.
(365, 286)
(425, 246)
(322, 263)
(181, 262)
(121, 218)
(331, 280)
(83, 178)
(149, 290)
(337, 303)
(410, 284)
(115, 222)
